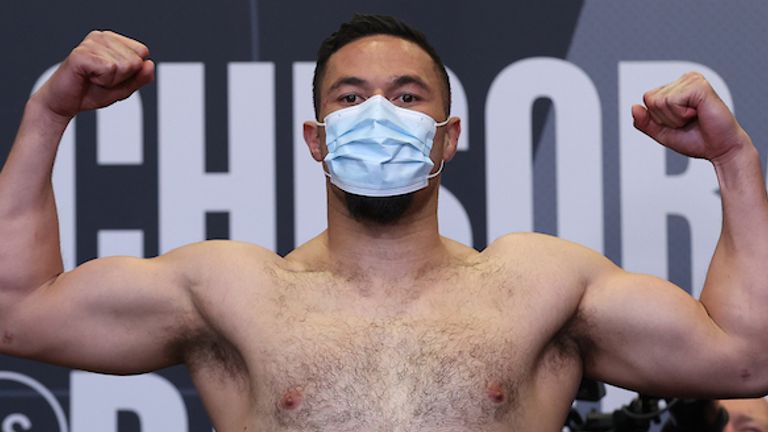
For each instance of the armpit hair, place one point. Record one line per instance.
(575, 339)
(570, 344)
(209, 351)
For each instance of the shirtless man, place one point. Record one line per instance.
(379, 323)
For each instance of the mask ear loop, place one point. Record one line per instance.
(442, 162)
(439, 170)
(322, 124)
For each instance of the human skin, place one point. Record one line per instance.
(370, 327)
(746, 415)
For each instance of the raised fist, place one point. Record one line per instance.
(106, 67)
(690, 118)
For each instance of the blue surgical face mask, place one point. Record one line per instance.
(379, 149)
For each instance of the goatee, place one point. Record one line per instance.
(378, 210)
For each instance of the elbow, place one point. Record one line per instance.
(17, 344)
(752, 384)
(8, 335)
(757, 381)
(11, 337)
(751, 373)
(7, 338)
(6, 341)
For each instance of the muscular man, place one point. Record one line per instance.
(379, 323)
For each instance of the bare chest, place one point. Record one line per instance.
(458, 362)
(338, 371)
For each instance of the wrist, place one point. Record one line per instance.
(742, 150)
(739, 168)
(39, 112)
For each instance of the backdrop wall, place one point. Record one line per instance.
(213, 148)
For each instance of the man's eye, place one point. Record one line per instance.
(350, 98)
(407, 98)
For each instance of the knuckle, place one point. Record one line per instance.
(78, 51)
(92, 42)
(86, 44)
(648, 98)
(124, 69)
(94, 35)
(111, 67)
(81, 55)
(135, 63)
(694, 77)
(143, 51)
(655, 102)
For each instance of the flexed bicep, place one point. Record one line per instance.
(117, 315)
(649, 335)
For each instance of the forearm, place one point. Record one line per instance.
(29, 238)
(736, 290)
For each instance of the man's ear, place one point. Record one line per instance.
(451, 138)
(313, 138)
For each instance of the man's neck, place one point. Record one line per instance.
(386, 251)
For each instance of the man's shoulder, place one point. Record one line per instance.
(531, 242)
(546, 253)
(223, 249)
(216, 261)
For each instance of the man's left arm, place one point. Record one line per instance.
(645, 333)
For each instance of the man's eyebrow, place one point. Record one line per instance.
(404, 80)
(740, 419)
(398, 81)
(349, 80)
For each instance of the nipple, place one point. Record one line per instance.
(496, 393)
(292, 398)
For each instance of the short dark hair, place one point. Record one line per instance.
(368, 25)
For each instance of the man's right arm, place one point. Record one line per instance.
(119, 315)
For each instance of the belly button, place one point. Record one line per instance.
(496, 393)
(292, 398)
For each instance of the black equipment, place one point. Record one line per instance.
(643, 411)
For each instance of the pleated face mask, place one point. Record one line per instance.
(378, 149)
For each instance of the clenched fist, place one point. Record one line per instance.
(106, 67)
(690, 118)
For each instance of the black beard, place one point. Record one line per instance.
(378, 210)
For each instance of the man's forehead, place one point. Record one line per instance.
(380, 44)
(387, 57)
(747, 410)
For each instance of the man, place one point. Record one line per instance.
(746, 415)
(379, 323)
